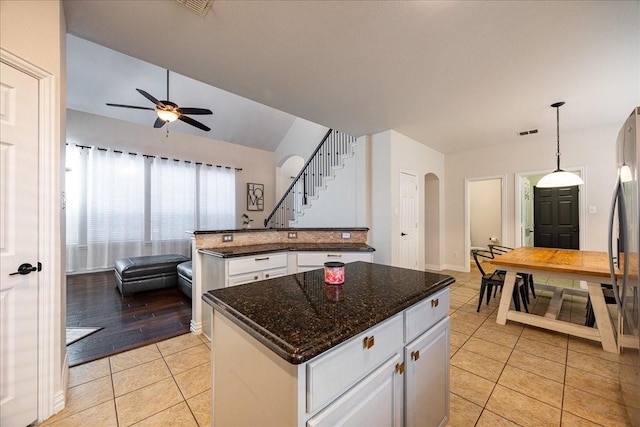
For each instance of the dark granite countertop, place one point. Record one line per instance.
(248, 250)
(298, 317)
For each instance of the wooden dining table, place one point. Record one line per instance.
(589, 267)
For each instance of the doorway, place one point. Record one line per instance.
(525, 224)
(432, 244)
(408, 221)
(484, 213)
(555, 217)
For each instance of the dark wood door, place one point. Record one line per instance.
(556, 218)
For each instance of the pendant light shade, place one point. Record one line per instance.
(559, 178)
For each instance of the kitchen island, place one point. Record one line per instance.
(224, 258)
(294, 351)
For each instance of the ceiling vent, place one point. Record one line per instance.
(199, 7)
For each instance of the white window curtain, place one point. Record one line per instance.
(115, 207)
(217, 198)
(75, 202)
(122, 205)
(172, 205)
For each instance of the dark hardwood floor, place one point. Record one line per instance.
(93, 300)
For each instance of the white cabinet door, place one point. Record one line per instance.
(375, 401)
(427, 378)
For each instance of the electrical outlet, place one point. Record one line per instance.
(346, 235)
(227, 237)
(293, 235)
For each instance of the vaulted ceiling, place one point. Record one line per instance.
(449, 74)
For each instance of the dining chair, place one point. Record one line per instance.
(495, 280)
(528, 278)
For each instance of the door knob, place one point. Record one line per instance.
(25, 268)
(403, 234)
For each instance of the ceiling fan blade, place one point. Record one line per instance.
(194, 123)
(195, 111)
(149, 97)
(130, 106)
(159, 123)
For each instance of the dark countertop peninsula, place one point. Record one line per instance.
(248, 250)
(299, 317)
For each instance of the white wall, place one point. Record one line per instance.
(593, 149)
(257, 165)
(286, 173)
(301, 139)
(335, 205)
(485, 200)
(392, 153)
(35, 31)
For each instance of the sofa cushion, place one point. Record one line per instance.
(135, 268)
(185, 276)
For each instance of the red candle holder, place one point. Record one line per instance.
(334, 273)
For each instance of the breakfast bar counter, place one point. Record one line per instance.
(295, 351)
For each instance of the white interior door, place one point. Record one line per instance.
(18, 247)
(526, 209)
(408, 221)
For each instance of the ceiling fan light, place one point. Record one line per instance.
(167, 116)
(559, 178)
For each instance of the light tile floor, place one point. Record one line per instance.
(163, 384)
(500, 375)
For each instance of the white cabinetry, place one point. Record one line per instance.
(375, 401)
(427, 378)
(312, 260)
(419, 364)
(253, 268)
(393, 374)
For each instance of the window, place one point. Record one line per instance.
(122, 205)
(217, 195)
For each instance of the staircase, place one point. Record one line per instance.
(319, 169)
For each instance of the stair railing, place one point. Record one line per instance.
(306, 184)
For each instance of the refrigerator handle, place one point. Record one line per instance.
(612, 212)
(625, 244)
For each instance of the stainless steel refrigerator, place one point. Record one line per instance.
(624, 240)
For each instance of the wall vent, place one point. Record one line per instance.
(528, 132)
(199, 7)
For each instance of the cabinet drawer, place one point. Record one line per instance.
(241, 279)
(333, 373)
(425, 314)
(256, 263)
(275, 273)
(319, 258)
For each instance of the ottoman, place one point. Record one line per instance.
(185, 277)
(146, 273)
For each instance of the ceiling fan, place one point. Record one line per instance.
(168, 111)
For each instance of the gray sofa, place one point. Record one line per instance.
(145, 273)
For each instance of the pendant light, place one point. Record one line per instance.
(559, 178)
